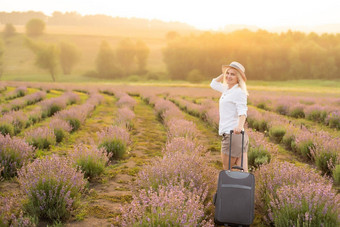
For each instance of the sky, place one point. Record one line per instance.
(202, 14)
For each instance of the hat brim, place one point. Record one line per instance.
(243, 75)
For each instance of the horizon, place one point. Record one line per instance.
(262, 14)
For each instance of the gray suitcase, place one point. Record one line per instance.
(234, 199)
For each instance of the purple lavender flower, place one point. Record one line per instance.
(14, 153)
(53, 184)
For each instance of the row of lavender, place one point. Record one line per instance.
(26, 100)
(322, 110)
(17, 92)
(317, 146)
(13, 122)
(54, 193)
(52, 185)
(173, 190)
(286, 195)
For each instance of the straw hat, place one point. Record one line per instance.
(235, 65)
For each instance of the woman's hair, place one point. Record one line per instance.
(241, 82)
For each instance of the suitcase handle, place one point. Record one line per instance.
(236, 167)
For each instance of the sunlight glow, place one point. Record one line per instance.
(213, 14)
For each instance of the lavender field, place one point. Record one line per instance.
(123, 155)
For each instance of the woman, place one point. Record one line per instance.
(233, 112)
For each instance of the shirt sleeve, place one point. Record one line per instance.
(241, 103)
(217, 85)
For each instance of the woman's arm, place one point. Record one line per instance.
(219, 78)
(217, 85)
(241, 121)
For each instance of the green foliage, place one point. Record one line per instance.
(126, 52)
(6, 128)
(115, 148)
(75, 123)
(46, 56)
(259, 125)
(297, 112)
(258, 156)
(288, 141)
(333, 121)
(317, 116)
(69, 56)
(289, 215)
(59, 134)
(142, 54)
(276, 134)
(42, 142)
(305, 148)
(52, 109)
(281, 109)
(9, 30)
(91, 166)
(262, 105)
(336, 174)
(35, 27)
(105, 62)
(323, 161)
(290, 55)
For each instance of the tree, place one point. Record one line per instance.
(105, 61)
(46, 56)
(142, 54)
(9, 30)
(171, 35)
(126, 54)
(69, 56)
(35, 27)
(1, 58)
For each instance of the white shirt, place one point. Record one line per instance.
(232, 104)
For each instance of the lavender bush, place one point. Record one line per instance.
(90, 160)
(18, 119)
(169, 206)
(114, 140)
(14, 153)
(333, 119)
(53, 187)
(126, 100)
(74, 116)
(18, 92)
(42, 137)
(181, 128)
(258, 156)
(189, 168)
(184, 145)
(305, 204)
(53, 105)
(271, 177)
(35, 115)
(60, 128)
(11, 214)
(125, 117)
(276, 133)
(6, 128)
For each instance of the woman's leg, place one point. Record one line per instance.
(245, 162)
(225, 161)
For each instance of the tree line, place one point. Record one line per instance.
(265, 55)
(128, 58)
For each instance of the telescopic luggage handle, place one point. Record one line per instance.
(236, 167)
